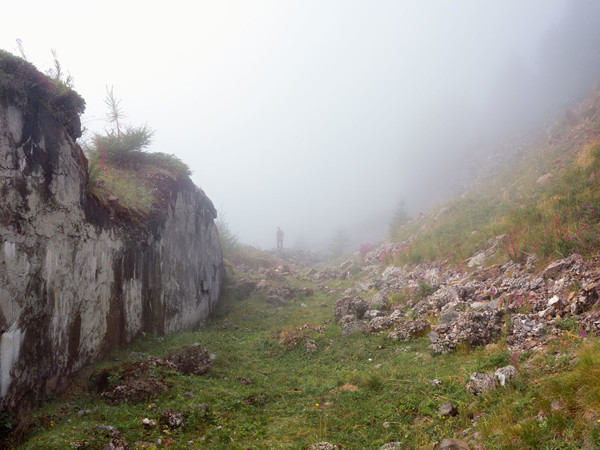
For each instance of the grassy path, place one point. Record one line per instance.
(359, 391)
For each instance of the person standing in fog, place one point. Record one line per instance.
(279, 237)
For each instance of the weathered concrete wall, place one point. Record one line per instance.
(73, 283)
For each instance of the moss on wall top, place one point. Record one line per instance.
(24, 85)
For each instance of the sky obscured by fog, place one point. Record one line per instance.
(316, 114)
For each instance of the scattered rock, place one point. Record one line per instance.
(409, 329)
(392, 446)
(324, 446)
(402, 349)
(503, 374)
(372, 313)
(396, 315)
(191, 360)
(284, 270)
(148, 423)
(136, 390)
(443, 296)
(473, 328)
(378, 324)
(478, 259)
(117, 443)
(572, 263)
(379, 301)
(172, 418)
(453, 444)
(590, 323)
(481, 383)
(355, 306)
(582, 303)
(310, 346)
(448, 316)
(523, 327)
(448, 409)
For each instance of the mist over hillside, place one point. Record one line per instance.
(318, 115)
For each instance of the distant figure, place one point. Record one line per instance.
(279, 239)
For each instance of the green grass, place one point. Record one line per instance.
(127, 188)
(134, 185)
(551, 220)
(356, 391)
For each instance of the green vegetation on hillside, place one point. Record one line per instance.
(547, 203)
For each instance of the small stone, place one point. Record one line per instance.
(148, 423)
(191, 360)
(503, 374)
(392, 446)
(453, 444)
(556, 405)
(433, 337)
(322, 446)
(478, 305)
(448, 409)
(310, 346)
(173, 418)
(402, 349)
(117, 443)
(481, 383)
(553, 301)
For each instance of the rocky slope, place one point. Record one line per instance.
(475, 307)
(74, 280)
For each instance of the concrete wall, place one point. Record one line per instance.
(74, 282)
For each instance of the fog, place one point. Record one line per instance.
(316, 115)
